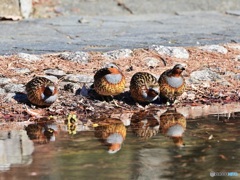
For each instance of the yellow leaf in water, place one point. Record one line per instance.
(94, 125)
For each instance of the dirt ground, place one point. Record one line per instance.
(18, 109)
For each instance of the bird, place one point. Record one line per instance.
(41, 91)
(173, 124)
(172, 84)
(109, 81)
(111, 132)
(144, 87)
(145, 124)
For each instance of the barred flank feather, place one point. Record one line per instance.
(109, 81)
(172, 84)
(144, 87)
(41, 91)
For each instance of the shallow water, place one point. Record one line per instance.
(211, 145)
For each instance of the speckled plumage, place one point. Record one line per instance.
(112, 132)
(109, 81)
(144, 87)
(173, 124)
(145, 124)
(172, 84)
(41, 91)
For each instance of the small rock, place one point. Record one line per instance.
(151, 62)
(214, 48)
(12, 88)
(5, 81)
(237, 77)
(191, 96)
(233, 12)
(78, 56)
(21, 70)
(233, 46)
(55, 72)
(237, 58)
(9, 97)
(29, 57)
(177, 52)
(26, 8)
(116, 54)
(52, 78)
(79, 78)
(2, 91)
(203, 75)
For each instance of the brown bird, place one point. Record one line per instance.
(109, 81)
(144, 87)
(111, 132)
(173, 125)
(145, 124)
(41, 91)
(172, 84)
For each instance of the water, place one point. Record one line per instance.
(211, 145)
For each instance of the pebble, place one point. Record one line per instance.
(28, 57)
(151, 62)
(5, 81)
(12, 88)
(233, 46)
(237, 58)
(79, 78)
(21, 70)
(55, 72)
(2, 91)
(176, 52)
(78, 56)
(214, 48)
(52, 78)
(117, 54)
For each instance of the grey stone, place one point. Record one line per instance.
(2, 91)
(79, 56)
(29, 57)
(51, 35)
(177, 52)
(55, 72)
(204, 75)
(237, 77)
(26, 8)
(233, 46)
(77, 78)
(116, 54)
(52, 78)
(152, 62)
(214, 48)
(5, 81)
(21, 70)
(12, 88)
(235, 13)
(237, 58)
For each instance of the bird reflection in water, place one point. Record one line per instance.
(111, 132)
(173, 125)
(40, 133)
(145, 124)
